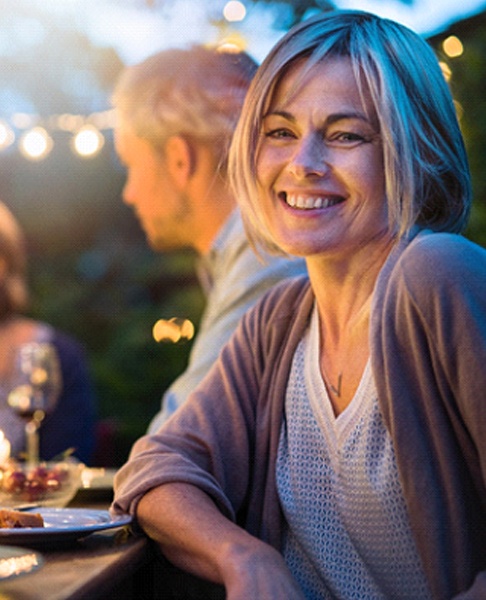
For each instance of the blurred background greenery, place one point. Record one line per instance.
(91, 271)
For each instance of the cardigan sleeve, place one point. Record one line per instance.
(428, 354)
(205, 443)
(224, 438)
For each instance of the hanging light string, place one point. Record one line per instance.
(33, 134)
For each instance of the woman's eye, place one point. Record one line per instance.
(346, 137)
(279, 133)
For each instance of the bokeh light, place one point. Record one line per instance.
(88, 141)
(35, 144)
(234, 11)
(173, 330)
(446, 70)
(7, 136)
(68, 122)
(452, 46)
(232, 43)
(459, 109)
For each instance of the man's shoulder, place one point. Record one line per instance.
(236, 259)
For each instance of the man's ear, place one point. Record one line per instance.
(180, 159)
(3, 268)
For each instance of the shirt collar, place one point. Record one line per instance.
(206, 265)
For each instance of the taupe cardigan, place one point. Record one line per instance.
(428, 352)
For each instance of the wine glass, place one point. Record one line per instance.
(35, 389)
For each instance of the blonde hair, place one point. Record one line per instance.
(426, 168)
(13, 265)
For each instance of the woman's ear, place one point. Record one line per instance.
(180, 159)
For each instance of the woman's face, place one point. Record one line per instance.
(319, 163)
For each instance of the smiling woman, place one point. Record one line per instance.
(335, 450)
(319, 164)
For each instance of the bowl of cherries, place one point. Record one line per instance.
(51, 484)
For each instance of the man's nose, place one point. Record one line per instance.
(127, 195)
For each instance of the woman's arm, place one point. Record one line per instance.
(429, 342)
(196, 537)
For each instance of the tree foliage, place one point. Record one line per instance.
(467, 74)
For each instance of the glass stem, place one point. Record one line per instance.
(32, 442)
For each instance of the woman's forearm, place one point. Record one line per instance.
(195, 536)
(192, 532)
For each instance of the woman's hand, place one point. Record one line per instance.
(258, 571)
(195, 536)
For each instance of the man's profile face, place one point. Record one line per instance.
(162, 210)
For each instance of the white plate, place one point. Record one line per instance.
(16, 561)
(63, 524)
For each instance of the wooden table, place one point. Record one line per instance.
(107, 565)
(112, 564)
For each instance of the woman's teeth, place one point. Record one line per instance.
(309, 202)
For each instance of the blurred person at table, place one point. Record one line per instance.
(72, 421)
(176, 112)
(338, 447)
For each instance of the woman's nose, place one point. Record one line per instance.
(309, 159)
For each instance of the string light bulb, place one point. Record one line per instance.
(34, 132)
(452, 46)
(234, 11)
(35, 144)
(7, 136)
(88, 141)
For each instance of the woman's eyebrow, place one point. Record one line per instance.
(334, 118)
(279, 113)
(330, 119)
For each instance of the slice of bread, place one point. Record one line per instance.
(13, 519)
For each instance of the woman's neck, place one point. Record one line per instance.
(344, 293)
(344, 287)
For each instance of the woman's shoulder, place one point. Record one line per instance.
(443, 242)
(282, 308)
(286, 295)
(440, 276)
(436, 265)
(431, 256)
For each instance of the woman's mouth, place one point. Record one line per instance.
(305, 202)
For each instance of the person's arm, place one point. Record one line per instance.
(241, 279)
(195, 536)
(429, 353)
(213, 446)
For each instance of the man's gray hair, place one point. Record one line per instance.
(195, 92)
